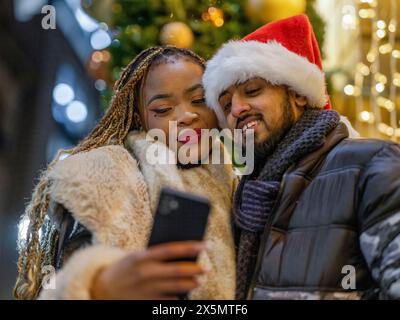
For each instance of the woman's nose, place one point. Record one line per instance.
(187, 118)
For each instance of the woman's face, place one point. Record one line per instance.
(172, 91)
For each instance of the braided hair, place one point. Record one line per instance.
(122, 116)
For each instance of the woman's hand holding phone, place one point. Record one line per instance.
(168, 268)
(151, 274)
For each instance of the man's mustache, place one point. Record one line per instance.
(254, 116)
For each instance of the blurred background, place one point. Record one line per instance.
(59, 60)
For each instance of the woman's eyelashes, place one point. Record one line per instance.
(165, 110)
(198, 101)
(160, 111)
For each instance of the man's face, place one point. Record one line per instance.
(256, 104)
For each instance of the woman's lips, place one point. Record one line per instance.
(189, 136)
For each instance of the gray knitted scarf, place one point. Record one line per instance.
(256, 194)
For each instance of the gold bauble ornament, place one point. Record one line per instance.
(177, 34)
(270, 10)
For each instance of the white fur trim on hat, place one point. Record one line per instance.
(238, 61)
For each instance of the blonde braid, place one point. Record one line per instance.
(35, 253)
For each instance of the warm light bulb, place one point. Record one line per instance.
(366, 13)
(385, 48)
(392, 27)
(381, 33)
(381, 24)
(363, 69)
(371, 57)
(380, 87)
(396, 54)
(349, 90)
(365, 116)
(379, 77)
(219, 22)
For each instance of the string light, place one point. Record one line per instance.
(363, 69)
(371, 56)
(386, 103)
(381, 33)
(396, 79)
(396, 54)
(349, 19)
(349, 90)
(393, 70)
(366, 13)
(381, 24)
(366, 116)
(392, 27)
(381, 78)
(380, 87)
(385, 48)
(382, 91)
(215, 15)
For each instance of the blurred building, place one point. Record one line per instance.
(48, 101)
(362, 51)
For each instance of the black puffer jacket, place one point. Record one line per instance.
(338, 211)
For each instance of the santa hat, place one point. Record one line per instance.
(283, 52)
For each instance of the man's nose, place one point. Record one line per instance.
(239, 106)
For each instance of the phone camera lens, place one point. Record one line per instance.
(173, 205)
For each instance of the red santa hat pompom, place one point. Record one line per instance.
(283, 52)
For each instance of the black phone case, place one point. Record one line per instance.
(180, 216)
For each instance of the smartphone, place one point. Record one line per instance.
(180, 216)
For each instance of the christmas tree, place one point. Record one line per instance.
(202, 26)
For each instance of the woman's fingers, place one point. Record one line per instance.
(174, 250)
(165, 270)
(152, 274)
(149, 274)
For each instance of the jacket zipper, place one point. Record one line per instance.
(264, 237)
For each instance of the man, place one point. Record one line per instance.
(319, 218)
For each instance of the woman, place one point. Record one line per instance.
(95, 207)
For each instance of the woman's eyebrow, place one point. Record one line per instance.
(159, 96)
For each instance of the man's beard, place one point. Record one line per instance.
(264, 149)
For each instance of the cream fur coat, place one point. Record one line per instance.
(114, 193)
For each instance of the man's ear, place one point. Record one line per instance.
(299, 100)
